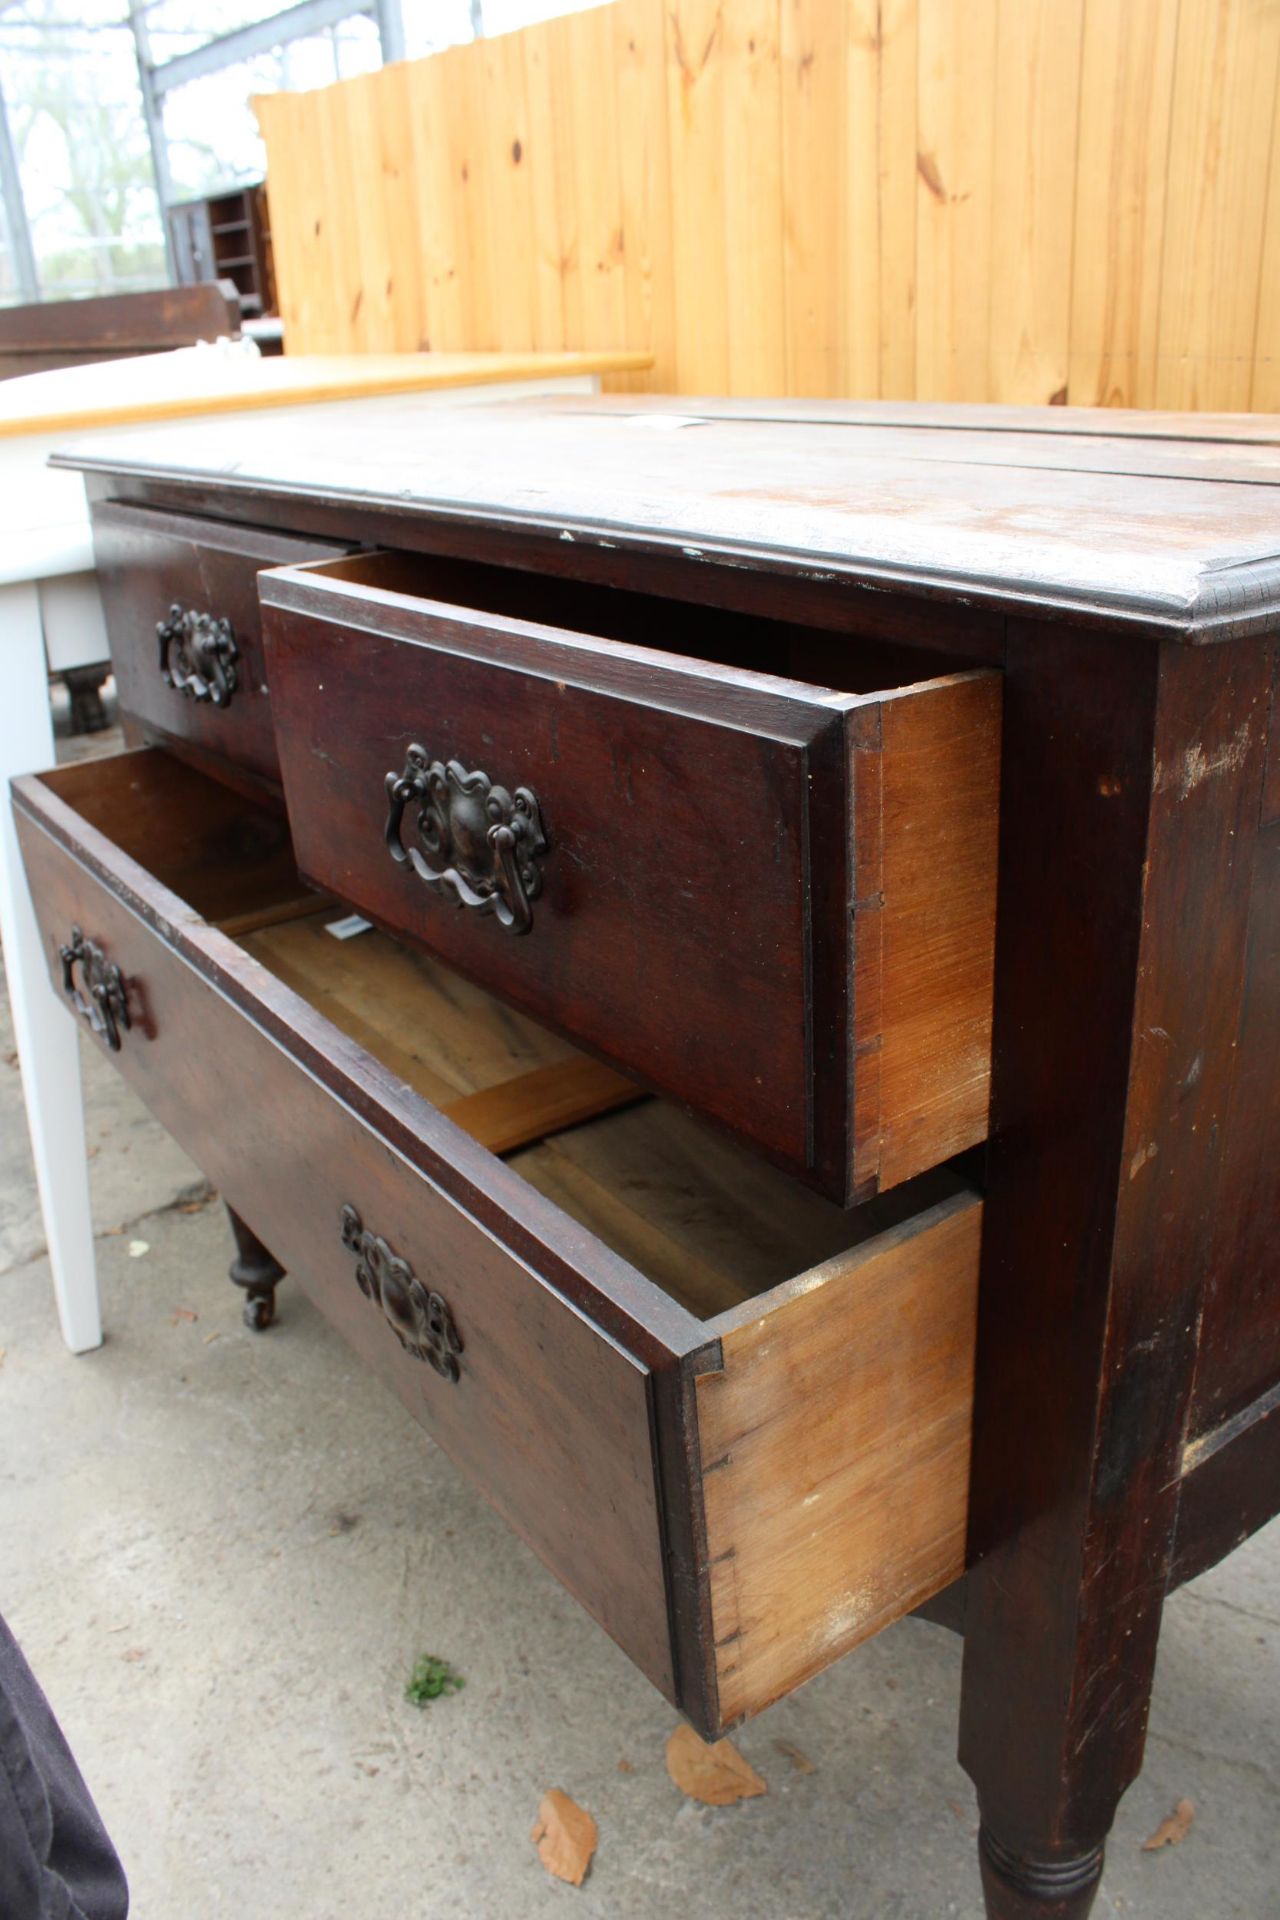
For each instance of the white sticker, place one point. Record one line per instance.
(346, 929)
(664, 422)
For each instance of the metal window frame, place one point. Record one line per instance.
(155, 80)
(15, 210)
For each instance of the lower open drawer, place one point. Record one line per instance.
(730, 1416)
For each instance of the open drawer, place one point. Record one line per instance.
(732, 1418)
(767, 893)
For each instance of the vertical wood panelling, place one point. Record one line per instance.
(751, 164)
(510, 194)
(439, 210)
(1016, 200)
(1265, 393)
(359, 131)
(880, 247)
(897, 147)
(342, 229)
(695, 123)
(1126, 92)
(644, 174)
(466, 135)
(1224, 103)
(1033, 208)
(390, 104)
(591, 98)
(543, 238)
(955, 183)
(814, 195)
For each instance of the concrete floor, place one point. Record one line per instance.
(223, 1552)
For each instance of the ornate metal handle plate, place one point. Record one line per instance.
(419, 1318)
(198, 655)
(104, 1002)
(481, 846)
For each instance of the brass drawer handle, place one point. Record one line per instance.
(419, 1318)
(104, 1003)
(482, 847)
(198, 655)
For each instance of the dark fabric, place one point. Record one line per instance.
(56, 1862)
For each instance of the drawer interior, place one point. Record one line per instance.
(786, 649)
(702, 1218)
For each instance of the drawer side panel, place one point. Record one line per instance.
(835, 1454)
(926, 786)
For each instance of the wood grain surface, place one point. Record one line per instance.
(1028, 200)
(926, 796)
(835, 1453)
(1145, 529)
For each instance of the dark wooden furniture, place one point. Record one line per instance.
(75, 333)
(227, 236)
(660, 742)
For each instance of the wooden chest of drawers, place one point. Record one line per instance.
(772, 1133)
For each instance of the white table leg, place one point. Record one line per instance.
(48, 1046)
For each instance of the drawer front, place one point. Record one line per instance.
(664, 877)
(548, 1413)
(659, 858)
(181, 601)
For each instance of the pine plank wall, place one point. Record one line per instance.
(1017, 200)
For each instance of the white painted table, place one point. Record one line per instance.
(51, 620)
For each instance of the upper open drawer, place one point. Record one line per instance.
(769, 894)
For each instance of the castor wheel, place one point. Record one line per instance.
(260, 1312)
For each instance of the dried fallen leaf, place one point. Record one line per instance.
(1173, 1829)
(799, 1760)
(716, 1775)
(182, 1313)
(210, 1338)
(626, 1766)
(565, 1836)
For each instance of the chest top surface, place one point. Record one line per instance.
(1144, 522)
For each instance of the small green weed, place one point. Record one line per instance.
(430, 1679)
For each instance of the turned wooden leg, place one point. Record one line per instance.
(254, 1269)
(1022, 1886)
(85, 684)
